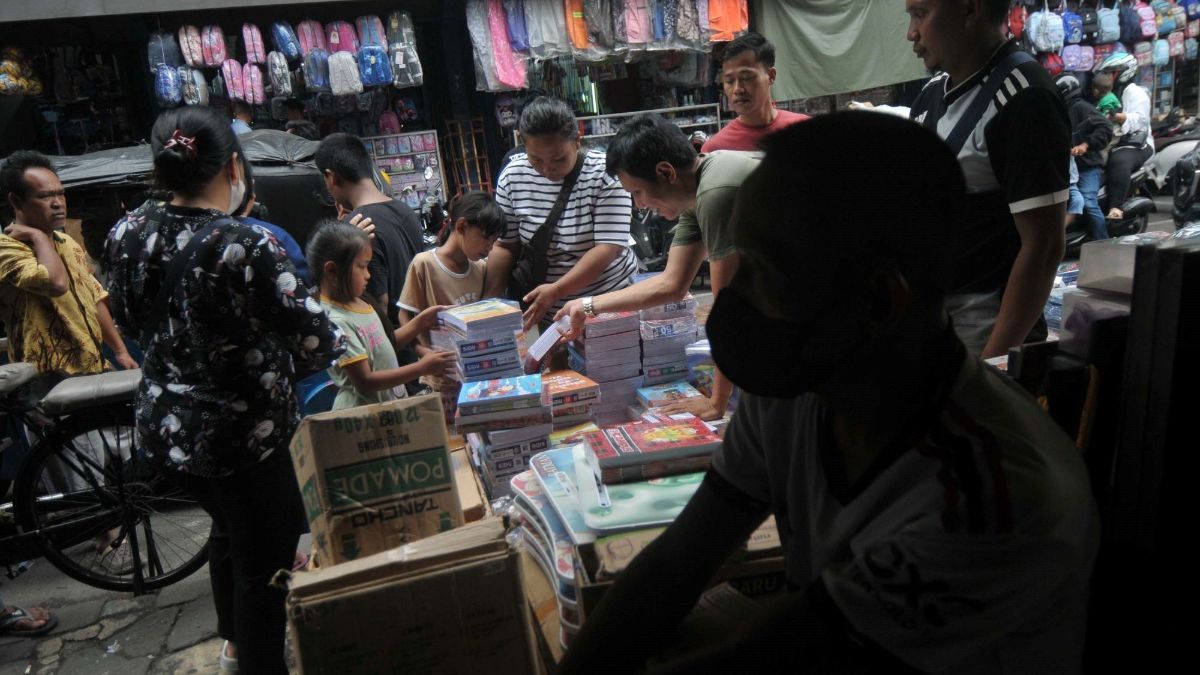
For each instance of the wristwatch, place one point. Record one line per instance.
(588, 310)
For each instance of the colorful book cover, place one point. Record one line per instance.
(498, 360)
(663, 394)
(513, 436)
(555, 473)
(644, 450)
(545, 344)
(571, 435)
(630, 506)
(468, 318)
(610, 323)
(486, 421)
(527, 488)
(568, 387)
(481, 396)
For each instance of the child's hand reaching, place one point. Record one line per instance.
(437, 363)
(428, 318)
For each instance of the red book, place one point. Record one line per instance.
(641, 451)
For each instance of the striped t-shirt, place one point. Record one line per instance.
(597, 212)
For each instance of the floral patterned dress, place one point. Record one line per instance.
(218, 387)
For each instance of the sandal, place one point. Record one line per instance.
(227, 664)
(8, 622)
(301, 562)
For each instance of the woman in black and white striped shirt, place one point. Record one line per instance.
(589, 248)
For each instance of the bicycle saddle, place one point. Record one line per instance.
(14, 376)
(90, 391)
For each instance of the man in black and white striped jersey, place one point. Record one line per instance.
(589, 250)
(1004, 119)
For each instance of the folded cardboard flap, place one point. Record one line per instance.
(470, 490)
(460, 545)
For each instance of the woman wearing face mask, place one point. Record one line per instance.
(228, 328)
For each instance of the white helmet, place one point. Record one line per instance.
(1123, 66)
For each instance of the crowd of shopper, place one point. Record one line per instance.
(931, 514)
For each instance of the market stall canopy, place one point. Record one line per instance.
(836, 46)
(134, 165)
(18, 10)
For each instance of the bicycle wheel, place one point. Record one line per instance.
(106, 517)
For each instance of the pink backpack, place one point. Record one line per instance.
(340, 37)
(1144, 53)
(255, 51)
(1072, 60)
(389, 124)
(370, 31)
(191, 46)
(1147, 18)
(1087, 58)
(212, 44)
(235, 86)
(1193, 29)
(252, 81)
(1175, 44)
(311, 35)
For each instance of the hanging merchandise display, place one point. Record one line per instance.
(195, 87)
(311, 35)
(374, 66)
(316, 71)
(191, 46)
(402, 49)
(486, 78)
(510, 66)
(727, 18)
(546, 29)
(252, 81)
(252, 39)
(518, 34)
(341, 37)
(167, 89)
(370, 31)
(344, 77)
(163, 50)
(281, 77)
(231, 73)
(212, 45)
(285, 41)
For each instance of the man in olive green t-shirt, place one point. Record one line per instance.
(661, 170)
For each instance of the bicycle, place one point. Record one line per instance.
(84, 497)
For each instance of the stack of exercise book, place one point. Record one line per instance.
(645, 450)
(608, 354)
(571, 397)
(666, 332)
(487, 338)
(505, 422)
(659, 395)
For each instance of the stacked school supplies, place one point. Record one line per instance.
(666, 332)
(643, 450)
(505, 421)
(608, 354)
(487, 338)
(571, 397)
(665, 394)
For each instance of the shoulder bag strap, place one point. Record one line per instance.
(540, 243)
(970, 119)
(178, 266)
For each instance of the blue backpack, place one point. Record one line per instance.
(1192, 7)
(168, 89)
(1190, 49)
(373, 66)
(1110, 25)
(1162, 52)
(285, 41)
(1131, 25)
(316, 71)
(1072, 28)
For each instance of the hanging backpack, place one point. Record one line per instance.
(1110, 25)
(191, 46)
(1162, 16)
(340, 37)
(344, 79)
(1072, 28)
(1147, 19)
(518, 31)
(1131, 23)
(280, 76)
(1091, 23)
(1175, 44)
(212, 44)
(1071, 59)
(1193, 29)
(346, 104)
(1191, 8)
(1053, 63)
(1162, 53)
(1016, 20)
(195, 88)
(1104, 51)
(311, 35)
(326, 104)
(316, 71)
(370, 31)
(252, 81)
(235, 86)
(168, 90)
(406, 64)
(1144, 53)
(1046, 30)
(388, 124)
(373, 66)
(1087, 58)
(163, 50)
(1190, 48)
(252, 37)
(285, 41)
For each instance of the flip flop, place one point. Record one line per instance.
(8, 623)
(301, 562)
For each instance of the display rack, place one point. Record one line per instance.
(1164, 89)
(413, 163)
(468, 151)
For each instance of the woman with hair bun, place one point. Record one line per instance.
(228, 332)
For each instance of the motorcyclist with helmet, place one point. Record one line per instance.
(1136, 145)
(1090, 134)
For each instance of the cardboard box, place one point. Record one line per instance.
(1108, 265)
(470, 491)
(376, 477)
(453, 603)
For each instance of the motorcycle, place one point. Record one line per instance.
(1185, 189)
(1137, 209)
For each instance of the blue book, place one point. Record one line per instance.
(510, 393)
(555, 472)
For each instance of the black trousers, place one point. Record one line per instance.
(256, 516)
(1122, 162)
